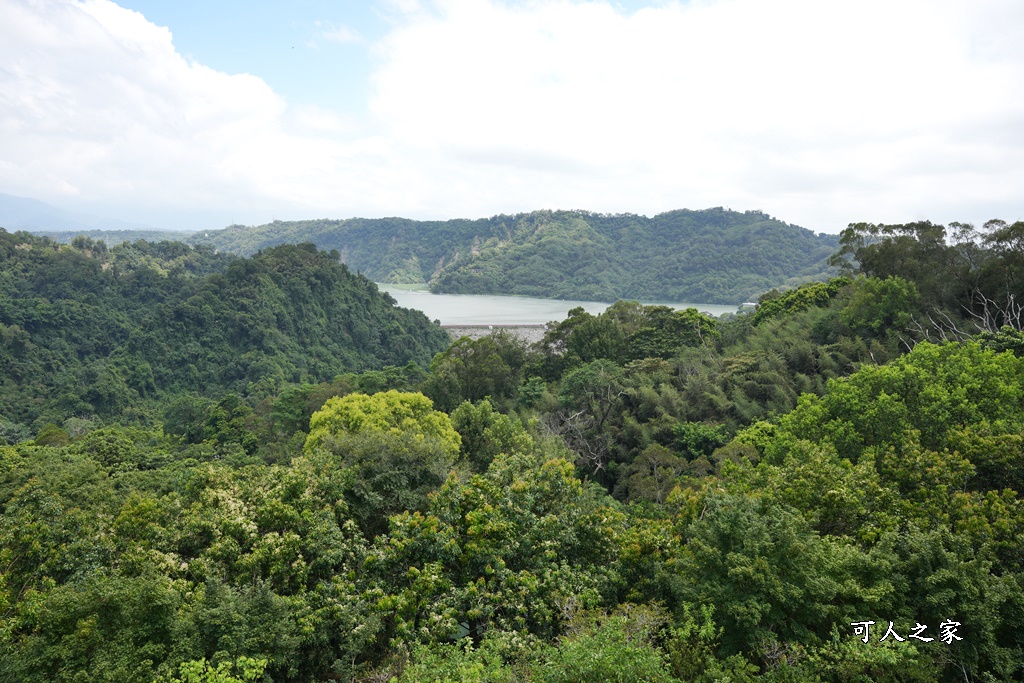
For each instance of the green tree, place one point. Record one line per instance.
(666, 332)
(769, 576)
(654, 473)
(616, 650)
(504, 551)
(475, 369)
(389, 412)
(878, 306)
(485, 433)
(395, 447)
(243, 670)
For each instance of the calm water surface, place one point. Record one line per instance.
(482, 309)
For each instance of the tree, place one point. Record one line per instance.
(504, 551)
(919, 404)
(775, 304)
(654, 473)
(591, 394)
(881, 306)
(769, 576)
(394, 445)
(389, 412)
(243, 670)
(486, 433)
(666, 332)
(474, 369)
(617, 649)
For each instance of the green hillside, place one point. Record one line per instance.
(86, 330)
(710, 256)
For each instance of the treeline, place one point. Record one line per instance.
(116, 236)
(645, 495)
(969, 280)
(712, 256)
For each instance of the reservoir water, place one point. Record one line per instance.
(482, 309)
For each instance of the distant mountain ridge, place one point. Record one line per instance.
(32, 215)
(710, 256)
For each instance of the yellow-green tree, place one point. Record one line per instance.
(390, 412)
(395, 447)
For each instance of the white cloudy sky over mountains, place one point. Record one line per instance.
(819, 112)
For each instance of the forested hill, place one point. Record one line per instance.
(710, 256)
(87, 330)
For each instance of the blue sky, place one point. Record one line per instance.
(309, 51)
(194, 115)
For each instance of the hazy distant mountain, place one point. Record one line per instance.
(710, 256)
(22, 213)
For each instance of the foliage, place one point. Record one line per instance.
(486, 433)
(929, 398)
(458, 663)
(505, 551)
(667, 497)
(247, 668)
(801, 298)
(769, 576)
(714, 256)
(111, 333)
(880, 305)
(395, 447)
(490, 367)
(389, 412)
(968, 280)
(609, 651)
(625, 331)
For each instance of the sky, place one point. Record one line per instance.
(196, 115)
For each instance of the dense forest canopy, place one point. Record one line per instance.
(712, 256)
(92, 330)
(827, 489)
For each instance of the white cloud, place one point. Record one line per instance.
(337, 34)
(97, 107)
(820, 113)
(97, 102)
